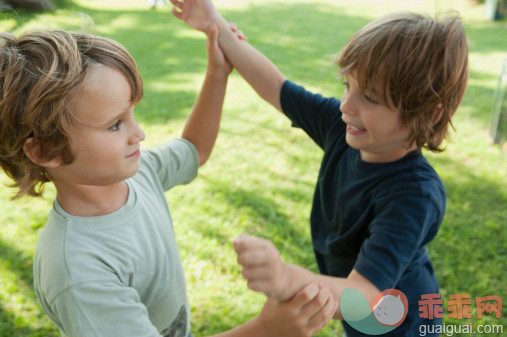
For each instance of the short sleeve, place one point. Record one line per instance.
(398, 232)
(93, 309)
(318, 116)
(175, 162)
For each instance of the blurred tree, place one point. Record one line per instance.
(5, 7)
(34, 5)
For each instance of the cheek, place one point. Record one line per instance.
(388, 127)
(402, 131)
(99, 149)
(111, 152)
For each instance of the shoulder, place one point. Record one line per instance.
(318, 116)
(292, 93)
(50, 270)
(178, 149)
(66, 255)
(169, 164)
(428, 180)
(414, 179)
(174, 148)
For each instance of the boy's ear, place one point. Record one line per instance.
(437, 114)
(32, 151)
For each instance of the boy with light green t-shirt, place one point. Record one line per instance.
(107, 262)
(140, 277)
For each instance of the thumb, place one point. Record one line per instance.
(213, 34)
(239, 241)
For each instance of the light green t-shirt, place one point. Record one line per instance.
(120, 274)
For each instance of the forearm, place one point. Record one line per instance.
(253, 328)
(204, 121)
(300, 277)
(253, 66)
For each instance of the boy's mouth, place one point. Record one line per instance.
(135, 154)
(354, 130)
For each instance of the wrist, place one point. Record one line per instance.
(215, 18)
(217, 74)
(289, 283)
(260, 327)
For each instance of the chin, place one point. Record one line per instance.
(131, 173)
(352, 144)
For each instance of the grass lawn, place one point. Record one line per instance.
(261, 176)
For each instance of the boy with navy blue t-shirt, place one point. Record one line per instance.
(377, 202)
(387, 206)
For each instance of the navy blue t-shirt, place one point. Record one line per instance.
(373, 217)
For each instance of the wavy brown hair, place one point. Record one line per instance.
(40, 77)
(421, 65)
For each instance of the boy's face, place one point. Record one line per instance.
(372, 127)
(106, 139)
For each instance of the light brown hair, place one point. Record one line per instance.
(419, 63)
(40, 78)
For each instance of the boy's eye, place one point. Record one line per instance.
(346, 84)
(370, 100)
(116, 126)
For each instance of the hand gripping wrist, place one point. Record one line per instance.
(288, 284)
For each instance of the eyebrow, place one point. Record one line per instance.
(117, 117)
(374, 91)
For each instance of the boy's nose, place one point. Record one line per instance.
(348, 105)
(138, 135)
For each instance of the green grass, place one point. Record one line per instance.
(261, 175)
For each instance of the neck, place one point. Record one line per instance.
(386, 157)
(87, 200)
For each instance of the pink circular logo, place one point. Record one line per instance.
(390, 307)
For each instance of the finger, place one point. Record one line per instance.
(306, 295)
(256, 273)
(261, 285)
(233, 26)
(241, 35)
(252, 257)
(175, 12)
(318, 302)
(245, 241)
(177, 3)
(213, 34)
(239, 240)
(322, 318)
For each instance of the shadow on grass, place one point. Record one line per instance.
(469, 252)
(19, 262)
(10, 325)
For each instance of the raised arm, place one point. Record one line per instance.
(256, 69)
(204, 121)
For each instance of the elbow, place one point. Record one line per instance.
(203, 154)
(203, 157)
